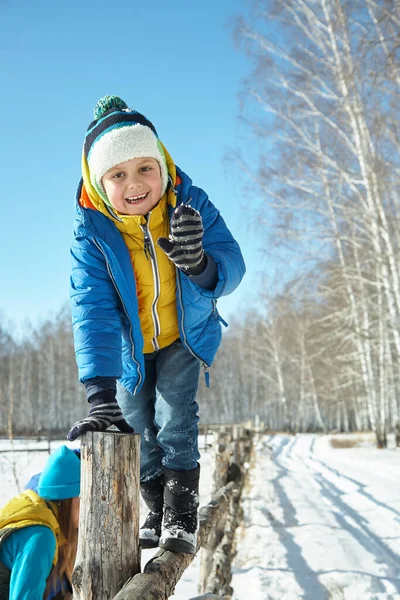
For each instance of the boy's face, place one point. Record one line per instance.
(134, 187)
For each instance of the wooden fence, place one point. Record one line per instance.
(108, 560)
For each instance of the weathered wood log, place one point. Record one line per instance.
(219, 577)
(216, 579)
(211, 597)
(108, 546)
(164, 570)
(242, 449)
(222, 455)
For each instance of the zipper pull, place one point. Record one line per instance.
(146, 242)
(171, 185)
(222, 320)
(147, 248)
(207, 374)
(215, 311)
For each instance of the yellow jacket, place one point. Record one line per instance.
(30, 509)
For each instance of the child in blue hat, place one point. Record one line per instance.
(151, 256)
(39, 533)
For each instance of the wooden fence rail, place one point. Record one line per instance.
(163, 571)
(108, 558)
(219, 549)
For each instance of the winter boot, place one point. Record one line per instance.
(180, 523)
(153, 494)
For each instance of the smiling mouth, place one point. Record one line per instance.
(136, 199)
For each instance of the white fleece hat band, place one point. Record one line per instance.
(123, 143)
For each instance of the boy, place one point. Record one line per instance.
(151, 256)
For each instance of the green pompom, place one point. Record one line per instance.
(107, 103)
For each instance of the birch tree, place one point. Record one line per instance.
(330, 165)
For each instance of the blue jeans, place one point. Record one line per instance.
(165, 411)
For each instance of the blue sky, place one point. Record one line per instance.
(175, 62)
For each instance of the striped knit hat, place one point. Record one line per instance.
(118, 134)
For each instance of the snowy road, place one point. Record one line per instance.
(320, 523)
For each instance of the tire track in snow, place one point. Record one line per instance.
(280, 571)
(362, 533)
(279, 567)
(316, 545)
(343, 513)
(361, 486)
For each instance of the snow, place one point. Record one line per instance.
(319, 522)
(29, 458)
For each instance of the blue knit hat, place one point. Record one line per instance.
(61, 477)
(118, 134)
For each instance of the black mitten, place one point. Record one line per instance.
(185, 243)
(104, 412)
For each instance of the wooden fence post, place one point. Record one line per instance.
(222, 456)
(108, 546)
(216, 560)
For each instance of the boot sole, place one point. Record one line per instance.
(179, 546)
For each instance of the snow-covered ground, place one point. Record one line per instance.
(319, 523)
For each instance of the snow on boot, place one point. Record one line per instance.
(153, 494)
(181, 501)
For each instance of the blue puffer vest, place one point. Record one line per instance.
(108, 339)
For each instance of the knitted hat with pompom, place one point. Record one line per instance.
(118, 134)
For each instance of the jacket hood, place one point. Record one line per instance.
(89, 198)
(30, 509)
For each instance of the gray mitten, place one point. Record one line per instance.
(185, 243)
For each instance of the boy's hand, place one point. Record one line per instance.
(103, 413)
(185, 243)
